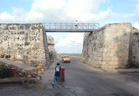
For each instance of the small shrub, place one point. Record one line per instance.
(5, 71)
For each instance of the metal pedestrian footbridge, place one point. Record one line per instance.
(71, 27)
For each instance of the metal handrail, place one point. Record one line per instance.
(71, 27)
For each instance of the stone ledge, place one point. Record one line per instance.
(121, 70)
(18, 80)
(128, 70)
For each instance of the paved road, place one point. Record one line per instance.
(86, 81)
(81, 80)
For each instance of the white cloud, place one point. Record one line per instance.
(61, 11)
(65, 11)
(136, 25)
(68, 10)
(81, 9)
(6, 17)
(72, 41)
(58, 11)
(34, 16)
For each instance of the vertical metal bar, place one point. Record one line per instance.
(49, 26)
(55, 26)
(66, 26)
(72, 26)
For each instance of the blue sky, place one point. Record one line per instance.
(9, 5)
(67, 11)
(120, 6)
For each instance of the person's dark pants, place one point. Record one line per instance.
(57, 75)
(58, 78)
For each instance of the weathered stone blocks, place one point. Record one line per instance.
(24, 42)
(110, 45)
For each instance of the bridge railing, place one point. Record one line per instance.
(71, 27)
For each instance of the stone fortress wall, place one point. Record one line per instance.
(112, 46)
(93, 47)
(134, 48)
(24, 43)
